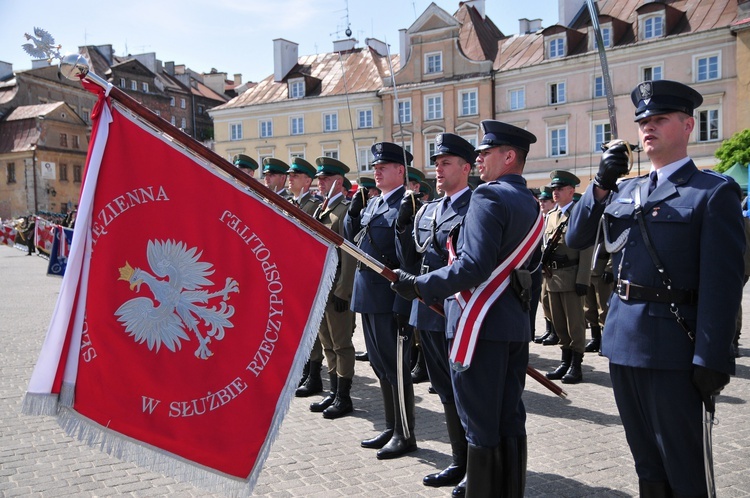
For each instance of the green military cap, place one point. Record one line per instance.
(245, 161)
(561, 177)
(366, 182)
(299, 165)
(330, 166)
(347, 184)
(545, 193)
(425, 189)
(273, 165)
(577, 196)
(414, 174)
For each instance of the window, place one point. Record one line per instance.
(297, 125)
(404, 111)
(556, 93)
(472, 139)
(173, 121)
(364, 157)
(76, 142)
(606, 38)
(707, 68)
(558, 141)
(266, 128)
(331, 150)
(364, 118)
(235, 131)
(330, 122)
(556, 48)
(182, 103)
(517, 98)
(708, 125)
(599, 87)
(86, 115)
(77, 170)
(123, 84)
(652, 73)
(133, 85)
(144, 87)
(602, 135)
(171, 101)
(429, 147)
(10, 170)
(653, 27)
(200, 110)
(183, 123)
(468, 102)
(63, 139)
(433, 63)
(296, 89)
(433, 107)
(63, 172)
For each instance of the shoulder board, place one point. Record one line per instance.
(715, 174)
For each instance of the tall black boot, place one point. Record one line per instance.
(553, 339)
(574, 374)
(547, 332)
(313, 383)
(658, 489)
(343, 402)
(596, 340)
(390, 419)
(305, 373)
(451, 475)
(514, 457)
(329, 398)
(399, 443)
(559, 372)
(482, 473)
(419, 372)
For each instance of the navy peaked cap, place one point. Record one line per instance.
(662, 97)
(448, 143)
(497, 133)
(387, 152)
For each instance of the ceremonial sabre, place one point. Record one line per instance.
(708, 458)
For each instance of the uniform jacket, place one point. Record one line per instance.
(374, 232)
(499, 216)
(308, 203)
(333, 218)
(565, 279)
(430, 231)
(695, 225)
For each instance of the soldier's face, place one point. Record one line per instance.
(665, 136)
(274, 181)
(389, 176)
(299, 182)
(325, 182)
(495, 162)
(563, 194)
(451, 173)
(546, 205)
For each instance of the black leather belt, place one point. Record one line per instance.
(556, 265)
(628, 290)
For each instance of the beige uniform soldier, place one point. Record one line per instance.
(568, 275)
(550, 337)
(336, 331)
(301, 174)
(597, 298)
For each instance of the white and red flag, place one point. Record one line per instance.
(187, 310)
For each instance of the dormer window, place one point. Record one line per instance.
(653, 27)
(296, 88)
(433, 63)
(556, 48)
(606, 37)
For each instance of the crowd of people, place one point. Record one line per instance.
(632, 260)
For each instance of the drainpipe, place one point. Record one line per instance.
(33, 175)
(492, 93)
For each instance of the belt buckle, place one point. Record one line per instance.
(623, 284)
(553, 265)
(424, 269)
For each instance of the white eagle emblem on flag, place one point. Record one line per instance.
(180, 303)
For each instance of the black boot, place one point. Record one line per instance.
(460, 489)
(455, 472)
(362, 356)
(399, 444)
(574, 374)
(313, 383)
(552, 339)
(659, 489)
(305, 373)
(321, 405)
(513, 455)
(419, 372)
(596, 340)
(343, 402)
(559, 372)
(381, 439)
(547, 332)
(482, 473)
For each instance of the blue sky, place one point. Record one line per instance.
(233, 36)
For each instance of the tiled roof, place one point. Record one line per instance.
(19, 131)
(478, 36)
(32, 111)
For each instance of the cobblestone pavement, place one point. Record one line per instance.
(576, 448)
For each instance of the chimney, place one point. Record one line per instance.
(237, 79)
(285, 55)
(378, 46)
(6, 70)
(344, 45)
(404, 47)
(169, 68)
(568, 9)
(37, 63)
(477, 4)
(107, 52)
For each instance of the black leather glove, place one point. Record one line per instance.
(407, 210)
(613, 165)
(608, 277)
(582, 289)
(359, 201)
(340, 305)
(709, 383)
(402, 322)
(406, 286)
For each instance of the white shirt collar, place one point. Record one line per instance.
(666, 171)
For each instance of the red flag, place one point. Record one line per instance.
(44, 235)
(193, 316)
(7, 235)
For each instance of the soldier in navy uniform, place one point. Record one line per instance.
(385, 316)
(422, 243)
(246, 164)
(668, 333)
(488, 394)
(274, 176)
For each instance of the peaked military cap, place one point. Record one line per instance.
(388, 152)
(414, 174)
(664, 96)
(367, 182)
(299, 165)
(448, 143)
(425, 189)
(545, 193)
(497, 133)
(246, 162)
(561, 177)
(330, 166)
(273, 165)
(347, 184)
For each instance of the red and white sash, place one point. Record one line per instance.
(476, 302)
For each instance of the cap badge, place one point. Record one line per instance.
(379, 148)
(646, 91)
(439, 140)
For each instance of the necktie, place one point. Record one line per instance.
(652, 184)
(446, 204)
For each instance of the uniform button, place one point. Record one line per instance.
(626, 265)
(631, 243)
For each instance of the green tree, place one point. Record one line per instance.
(734, 150)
